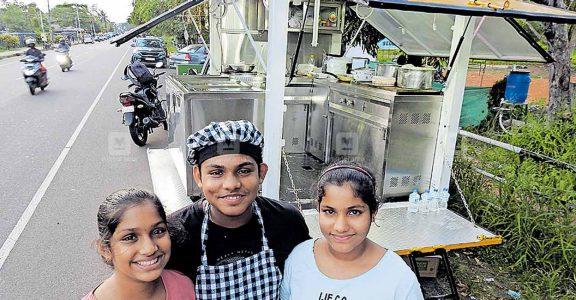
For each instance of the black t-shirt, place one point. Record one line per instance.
(284, 225)
(226, 245)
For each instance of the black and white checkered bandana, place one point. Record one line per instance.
(241, 132)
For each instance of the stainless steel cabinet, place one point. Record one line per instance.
(294, 129)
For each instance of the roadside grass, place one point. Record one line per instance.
(534, 208)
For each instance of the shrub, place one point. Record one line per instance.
(534, 208)
(8, 41)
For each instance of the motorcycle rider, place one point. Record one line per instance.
(65, 48)
(31, 43)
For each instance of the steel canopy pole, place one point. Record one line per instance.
(215, 66)
(274, 107)
(452, 102)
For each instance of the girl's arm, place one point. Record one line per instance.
(285, 292)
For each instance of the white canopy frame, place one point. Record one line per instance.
(458, 9)
(453, 94)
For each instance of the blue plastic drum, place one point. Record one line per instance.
(517, 86)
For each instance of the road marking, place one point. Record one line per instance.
(27, 215)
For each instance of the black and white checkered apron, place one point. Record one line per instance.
(253, 277)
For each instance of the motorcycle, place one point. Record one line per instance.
(32, 74)
(142, 111)
(63, 58)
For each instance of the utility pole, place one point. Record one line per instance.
(77, 24)
(50, 23)
(44, 39)
(42, 22)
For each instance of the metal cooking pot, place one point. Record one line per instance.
(387, 70)
(411, 77)
(243, 68)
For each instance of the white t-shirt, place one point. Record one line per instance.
(390, 279)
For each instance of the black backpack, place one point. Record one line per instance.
(140, 72)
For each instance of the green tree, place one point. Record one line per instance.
(14, 18)
(145, 10)
(367, 38)
(561, 42)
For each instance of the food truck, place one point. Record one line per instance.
(403, 129)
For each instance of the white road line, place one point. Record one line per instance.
(23, 221)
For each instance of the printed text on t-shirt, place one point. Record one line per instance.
(330, 296)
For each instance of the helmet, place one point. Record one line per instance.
(62, 41)
(30, 42)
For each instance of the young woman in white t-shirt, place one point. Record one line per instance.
(345, 264)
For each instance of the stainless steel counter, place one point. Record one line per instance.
(391, 130)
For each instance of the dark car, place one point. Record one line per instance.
(149, 51)
(191, 54)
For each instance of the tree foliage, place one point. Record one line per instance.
(145, 10)
(368, 36)
(18, 18)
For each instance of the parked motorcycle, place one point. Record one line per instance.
(142, 111)
(63, 58)
(34, 77)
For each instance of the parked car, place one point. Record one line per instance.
(191, 54)
(149, 50)
(88, 39)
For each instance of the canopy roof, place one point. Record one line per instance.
(430, 34)
(402, 21)
(500, 8)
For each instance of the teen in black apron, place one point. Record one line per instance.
(253, 277)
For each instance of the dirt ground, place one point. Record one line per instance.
(475, 279)
(486, 76)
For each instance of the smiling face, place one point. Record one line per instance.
(140, 245)
(230, 184)
(344, 220)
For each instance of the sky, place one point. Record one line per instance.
(117, 10)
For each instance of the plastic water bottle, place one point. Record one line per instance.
(312, 60)
(514, 294)
(423, 206)
(444, 196)
(413, 200)
(434, 200)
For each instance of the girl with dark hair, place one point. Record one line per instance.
(134, 240)
(345, 264)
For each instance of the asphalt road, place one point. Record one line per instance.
(62, 152)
